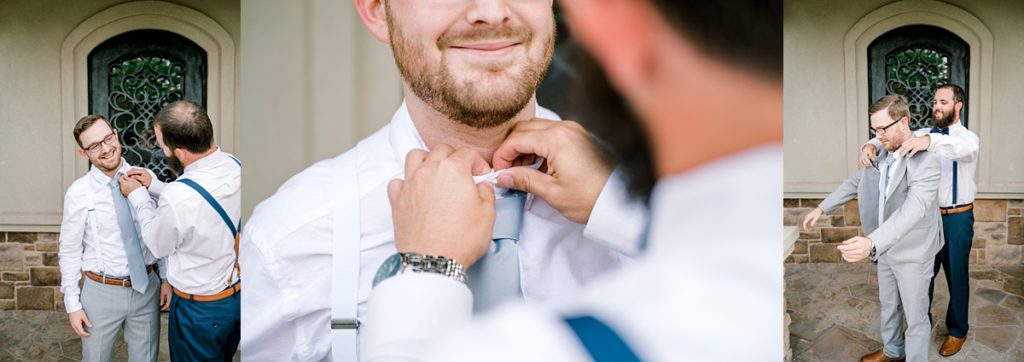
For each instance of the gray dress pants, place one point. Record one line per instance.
(109, 307)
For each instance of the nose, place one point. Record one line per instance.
(488, 12)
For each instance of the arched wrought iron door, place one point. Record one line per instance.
(913, 61)
(135, 74)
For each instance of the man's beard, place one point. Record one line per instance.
(943, 122)
(462, 102)
(174, 164)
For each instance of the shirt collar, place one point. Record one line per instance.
(203, 162)
(102, 178)
(404, 137)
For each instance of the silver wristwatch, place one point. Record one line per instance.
(413, 262)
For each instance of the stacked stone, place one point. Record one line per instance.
(998, 231)
(29, 273)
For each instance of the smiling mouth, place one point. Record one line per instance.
(488, 48)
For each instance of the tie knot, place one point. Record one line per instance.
(113, 180)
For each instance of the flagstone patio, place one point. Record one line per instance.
(835, 313)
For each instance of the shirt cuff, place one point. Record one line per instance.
(138, 197)
(71, 303)
(399, 317)
(156, 187)
(617, 220)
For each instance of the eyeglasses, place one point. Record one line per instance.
(109, 140)
(882, 130)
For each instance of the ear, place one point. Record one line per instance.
(180, 153)
(81, 152)
(618, 34)
(957, 107)
(375, 18)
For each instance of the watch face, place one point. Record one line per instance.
(388, 269)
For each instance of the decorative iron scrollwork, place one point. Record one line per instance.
(915, 72)
(139, 87)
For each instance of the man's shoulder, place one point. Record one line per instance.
(79, 188)
(301, 200)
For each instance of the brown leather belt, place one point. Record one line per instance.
(956, 209)
(103, 279)
(234, 288)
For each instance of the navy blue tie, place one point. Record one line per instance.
(945, 131)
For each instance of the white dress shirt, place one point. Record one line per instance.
(705, 290)
(961, 145)
(98, 249)
(287, 251)
(199, 247)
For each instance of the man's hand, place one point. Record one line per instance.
(128, 185)
(868, 153)
(915, 145)
(141, 175)
(77, 319)
(575, 172)
(165, 296)
(855, 248)
(812, 218)
(438, 210)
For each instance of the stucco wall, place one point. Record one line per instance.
(314, 82)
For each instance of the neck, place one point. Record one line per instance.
(711, 126)
(190, 158)
(112, 172)
(436, 128)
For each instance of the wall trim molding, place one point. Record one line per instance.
(927, 12)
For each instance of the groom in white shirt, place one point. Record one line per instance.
(99, 238)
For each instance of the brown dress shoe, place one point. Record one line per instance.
(879, 356)
(951, 346)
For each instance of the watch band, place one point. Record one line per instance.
(413, 262)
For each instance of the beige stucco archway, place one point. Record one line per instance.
(118, 19)
(918, 12)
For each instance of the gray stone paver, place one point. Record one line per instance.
(47, 336)
(835, 312)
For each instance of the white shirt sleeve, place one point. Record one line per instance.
(961, 146)
(159, 224)
(617, 220)
(406, 312)
(72, 238)
(156, 186)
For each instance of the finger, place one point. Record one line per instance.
(477, 165)
(440, 152)
(394, 191)
(528, 180)
(486, 191)
(413, 160)
(526, 143)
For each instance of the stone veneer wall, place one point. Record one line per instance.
(998, 231)
(29, 275)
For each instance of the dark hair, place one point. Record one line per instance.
(184, 124)
(958, 93)
(744, 33)
(896, 104)
(86, 122)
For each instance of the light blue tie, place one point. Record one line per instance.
(132, 245)
(495, 277)
(885, 188)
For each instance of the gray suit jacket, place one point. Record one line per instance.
(912, 230)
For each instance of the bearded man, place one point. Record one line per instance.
(470, 70)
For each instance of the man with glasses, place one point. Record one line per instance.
(899, 213)
(958, 147)
(99, 237)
